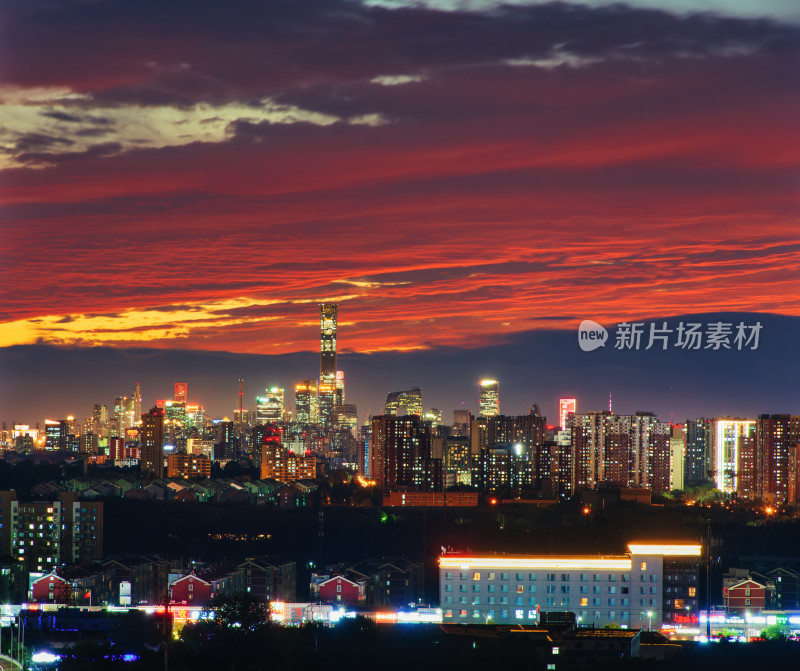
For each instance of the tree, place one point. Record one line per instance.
(773, 632)
(240, 610)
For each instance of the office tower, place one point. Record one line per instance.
(566, 406)
(478, 434)
(306, 402)
(434, 416)
(269, 407)
(461, 417)
(734, 467)
(698, 449)
(489, 399)
(174, 423)
(778, 437)
(99, 419)
(340, 387)
(55, 432)
(136, 405)
(328, 314)
(152, 444)
(181, 389)
(401, 451)
(225, 447)
(409, 400)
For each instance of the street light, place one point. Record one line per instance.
(649, 618)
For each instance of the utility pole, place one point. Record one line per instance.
(321, 537)
(708, 580)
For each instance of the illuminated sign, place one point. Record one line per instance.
(666, 549)
(576, 563)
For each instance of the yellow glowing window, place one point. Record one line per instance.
(692, 591)
(643, 566)
(520, 589)
(476, 576)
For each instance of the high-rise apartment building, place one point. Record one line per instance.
(734, 452)
(400, 451)
(489, 404)
(41, 535)
(777, 437)
(152, 444)
(621, 450)
(698, 449)
(409, 400)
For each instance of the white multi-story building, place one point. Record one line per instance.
(650, 585)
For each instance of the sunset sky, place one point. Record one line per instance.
(461, 177)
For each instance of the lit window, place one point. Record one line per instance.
(643, 566)
(476, 576)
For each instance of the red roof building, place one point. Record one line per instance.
(340, 590)
(747, 595)
(189, 590)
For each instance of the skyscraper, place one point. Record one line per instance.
(269, 408)
(306, 402)
(409, 400)
(566, 406)
(328, 316)
(181, 389)
(490, 398)
(152, 444)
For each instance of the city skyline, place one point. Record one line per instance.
(676, 384)
(468, 182)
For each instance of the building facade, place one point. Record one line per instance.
(626, 590)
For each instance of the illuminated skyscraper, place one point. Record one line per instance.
(566, 406)
(136, 406)
(734, 455)
(181, 389)
(328, 316)
(490, 398)
(152, 444)
(269, 408)
(306, 402)
(409, 400)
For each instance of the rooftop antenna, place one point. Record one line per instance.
(609, 403)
